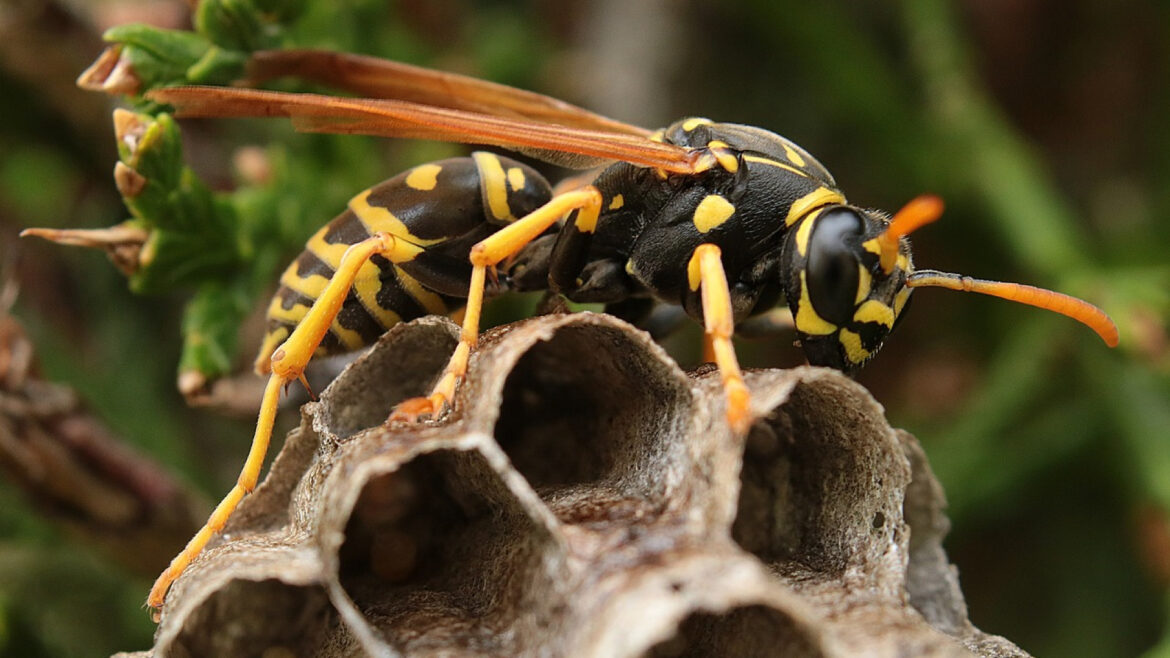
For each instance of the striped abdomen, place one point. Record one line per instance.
(443, 208)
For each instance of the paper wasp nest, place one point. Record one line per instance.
(584, 499)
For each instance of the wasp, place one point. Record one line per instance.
(726, 221)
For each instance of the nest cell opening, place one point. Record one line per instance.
(818, 483)
(437, 539)
(252, 618)
(752, 631)
(365, 394)
(590, 408)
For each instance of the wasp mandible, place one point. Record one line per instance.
(723, 220)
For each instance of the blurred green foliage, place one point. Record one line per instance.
(1042, 123)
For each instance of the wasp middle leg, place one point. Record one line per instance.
(505, 243)
(705, 273)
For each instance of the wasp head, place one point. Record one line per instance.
(849, 277)
(847, 272)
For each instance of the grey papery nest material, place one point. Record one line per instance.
(585, 498)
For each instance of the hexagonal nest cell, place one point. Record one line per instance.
(584, 497)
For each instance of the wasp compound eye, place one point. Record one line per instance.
(832, 264)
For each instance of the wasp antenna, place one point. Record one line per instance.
(919, 212)
(1077, 309)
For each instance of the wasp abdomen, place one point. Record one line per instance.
(439, 210)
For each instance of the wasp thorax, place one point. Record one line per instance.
(843, 301)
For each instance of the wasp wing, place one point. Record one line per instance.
(374, 77)
(562, 145)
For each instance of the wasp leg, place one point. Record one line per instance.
(503, 244)
(288, 365)
(705, 271)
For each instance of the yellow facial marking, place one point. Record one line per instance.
(491, 171)
(864, 285)
(793, 156)
(821, 196)
(378, 219)
(516, 179)
(872, 247)
(806, 318)
(804, 231)
(853, 349)
(617, 202)
(875, 311)
(775, 163)
(424, 177)
(712, 211)
(695, 122)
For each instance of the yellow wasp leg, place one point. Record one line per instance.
(502, 244)
(288, 364)
(706, 269)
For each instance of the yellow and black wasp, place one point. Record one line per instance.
(725, 221)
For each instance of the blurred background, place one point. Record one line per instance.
(1043, 123)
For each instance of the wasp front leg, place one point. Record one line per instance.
(505, 243)
(705, 274)
(287, 365)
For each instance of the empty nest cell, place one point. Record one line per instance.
(587, 413)
(750, 631)
(822, 480)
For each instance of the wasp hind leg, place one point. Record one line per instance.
(705, 273)
(503, 244)
(288, 365)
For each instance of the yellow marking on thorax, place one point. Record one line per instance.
(903, 263)
(424, 177)
(853, 349)
(695, 122)
(864, 285)
(793, 156)
(494, 182)
(617, 202)
(378, 219)
(872, 246)
(516, 179)
(806, 318)
(822, 196)
(657, 136)
(776, 163)
(429, 300)
(874, 311)
(712, 211)
(694, 274)
(723, 155)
